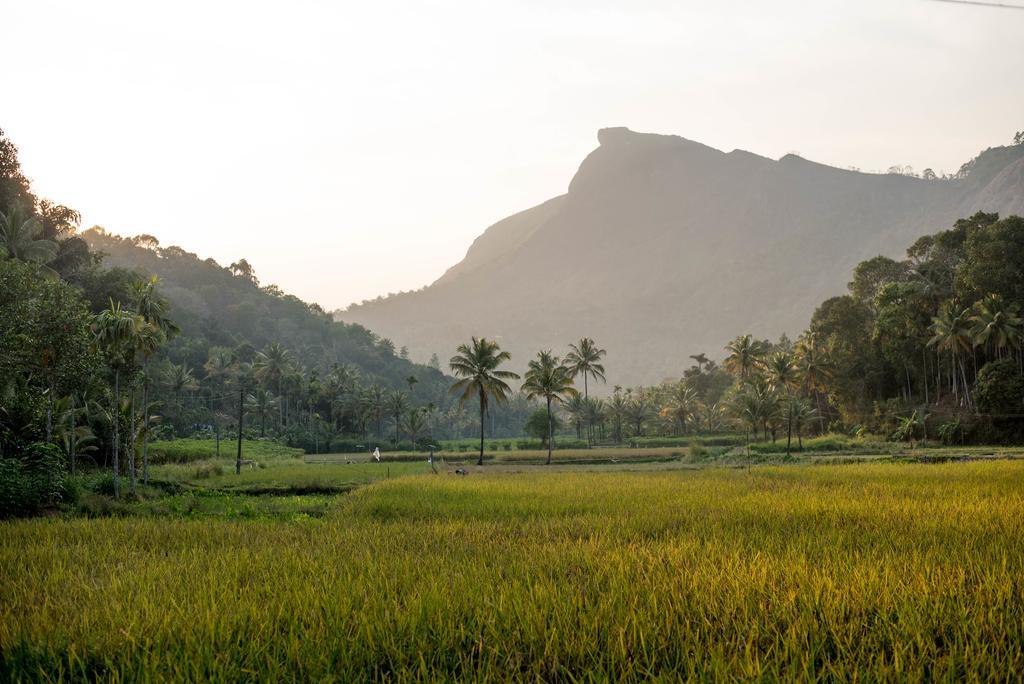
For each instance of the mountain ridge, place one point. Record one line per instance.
(663, 247)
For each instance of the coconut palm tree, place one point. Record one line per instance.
(271, 366)
(21, 236)
(374, 406)
(179, 379)
(113, 330)
(477, 365)
(153, 308)
(617, 410)
(73, 438)
(638, 409)
(745, 407)
(576, 409)
(783, 373)
(397, 403)
(416, 424)
(584, 358)
(802, 413)
(951, 331)
(681, 404)
(712, 416)
(744, 354)
(597, 414)
(815, 372)
(144, 343)
(218, 367)
(258, 403)
(546, 377)
(997, 328)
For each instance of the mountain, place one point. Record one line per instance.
(664, 247)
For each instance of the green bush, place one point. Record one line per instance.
(33, 481)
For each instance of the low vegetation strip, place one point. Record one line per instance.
(878, 572)
(191, 450)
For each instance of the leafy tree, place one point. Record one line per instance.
(869, 276)
(538, 426)
(477, 365)
(45, 351)
(994, 260)
(1000, 393)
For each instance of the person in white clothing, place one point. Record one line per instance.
(376, 454)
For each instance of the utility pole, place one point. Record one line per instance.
(238, 458)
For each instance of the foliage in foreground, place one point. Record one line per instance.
(869, 571)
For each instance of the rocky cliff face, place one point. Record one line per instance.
(663, 247)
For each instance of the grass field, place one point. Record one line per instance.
(868, 571)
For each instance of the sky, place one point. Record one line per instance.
(352, 149)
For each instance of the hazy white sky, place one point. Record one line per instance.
(352, 149)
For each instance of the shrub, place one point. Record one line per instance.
(1000, 395)
(98, 506)
(34, 480)
(207, 470)
(951, 432)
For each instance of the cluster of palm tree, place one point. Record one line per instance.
(775, 386)
(989, 326)
(548, 378)
(128, 338)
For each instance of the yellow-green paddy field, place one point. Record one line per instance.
(835, 572)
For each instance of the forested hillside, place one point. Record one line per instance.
(663, 247)
(226, 306)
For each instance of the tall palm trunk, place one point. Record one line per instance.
(49, 412)
(821, 414)
(586, 404)
(480, 461)
(116, 417)
(789, 422)
(551, 428)
(924, 373)
(145, 427)
(131, 441)
(73, 438)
